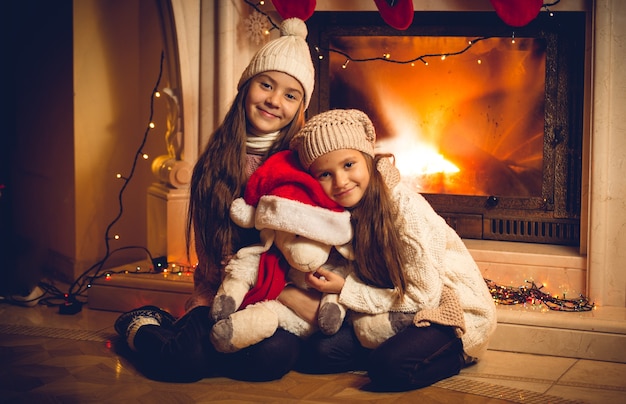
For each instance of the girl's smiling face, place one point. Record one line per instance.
(344, 176)
(272, 101)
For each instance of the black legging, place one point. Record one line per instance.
(184, 353)
(414, 358)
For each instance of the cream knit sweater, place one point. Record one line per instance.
(437, 259)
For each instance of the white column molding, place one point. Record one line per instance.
(607, 225)
(187, 23)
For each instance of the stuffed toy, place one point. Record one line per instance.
(301, 230)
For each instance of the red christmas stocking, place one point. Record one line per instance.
(517, 13)
(302, 9)
(396, 13)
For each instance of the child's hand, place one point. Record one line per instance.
(325, 281)
(304, 303)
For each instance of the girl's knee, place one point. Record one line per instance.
(394, 370)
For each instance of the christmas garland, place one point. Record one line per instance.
(507, 295)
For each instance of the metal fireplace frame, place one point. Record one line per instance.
(553, 218)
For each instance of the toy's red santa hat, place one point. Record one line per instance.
(280, 195)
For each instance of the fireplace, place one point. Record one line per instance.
(484, 120)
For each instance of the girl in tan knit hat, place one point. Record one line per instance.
(408, 262)
(273, 93)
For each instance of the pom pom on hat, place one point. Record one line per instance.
(334, 130)
(280, 195)
(288, 54)
(517, 13)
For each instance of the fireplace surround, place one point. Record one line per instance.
(206, 30)
(548, 126)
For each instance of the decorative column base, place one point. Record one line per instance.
(167, 219)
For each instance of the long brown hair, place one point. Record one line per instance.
(378, 248)
(219, 176)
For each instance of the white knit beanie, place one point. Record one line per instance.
(288, 54)
(334, 130)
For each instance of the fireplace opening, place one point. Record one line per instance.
(484, 120)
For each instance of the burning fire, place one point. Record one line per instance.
(414, 158)
(454, 126)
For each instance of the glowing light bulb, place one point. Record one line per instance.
(151, 125)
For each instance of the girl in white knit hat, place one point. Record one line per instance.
(274, 92)
(409, 262)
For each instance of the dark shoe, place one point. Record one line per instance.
(125, 320)
(468, 360)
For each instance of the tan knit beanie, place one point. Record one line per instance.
(334, 130)
(288, 54)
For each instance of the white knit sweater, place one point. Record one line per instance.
(437, 257)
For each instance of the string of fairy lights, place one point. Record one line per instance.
(260, 24)
(529, 294)
(71, 302)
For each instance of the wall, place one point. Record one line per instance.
(84, 73)
(37, 147)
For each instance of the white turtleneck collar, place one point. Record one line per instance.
(259, 145)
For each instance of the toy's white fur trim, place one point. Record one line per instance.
(242, 213)
(313, 222)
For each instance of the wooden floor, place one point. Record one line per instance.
(46, 357)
